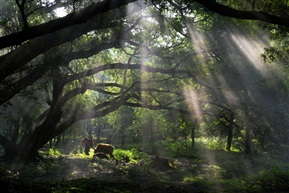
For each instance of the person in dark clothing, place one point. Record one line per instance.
(88, 143)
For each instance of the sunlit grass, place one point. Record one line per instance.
(54, 152)
(81, 154)
(226, 172)
(211, 143)
(133, 155)
(193, 179)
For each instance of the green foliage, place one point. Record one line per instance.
(272, 54)
(181, 148)
(135, 157)
(274, 179)
(208, 171)
(54, 152)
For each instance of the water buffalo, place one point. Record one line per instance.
(104, 148)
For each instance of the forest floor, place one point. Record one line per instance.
(224, 172)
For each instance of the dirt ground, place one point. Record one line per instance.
(85, 174)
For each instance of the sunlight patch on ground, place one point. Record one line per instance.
(74, 167)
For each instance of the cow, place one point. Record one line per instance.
(104, 148)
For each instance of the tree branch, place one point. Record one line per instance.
(10, 90)
(144, 68)
(21, 7)
(250, 15)
(96, 111)
(156, 107)
(71, 19)
(95, 9)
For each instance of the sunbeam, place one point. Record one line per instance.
(252, 50)
(193, 100)
(199, 41)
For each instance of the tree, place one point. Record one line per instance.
(50, 49)
(121, 121)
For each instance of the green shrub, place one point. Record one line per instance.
(134, 156)
(54, 152)
(180, 148)
(275, 179)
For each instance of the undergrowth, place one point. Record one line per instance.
(197, 168)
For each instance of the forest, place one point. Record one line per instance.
(144, 96)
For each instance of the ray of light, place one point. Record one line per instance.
(193, 99)
(198, 39)
(252, 50)
(194, 105)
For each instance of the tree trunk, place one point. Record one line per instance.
(63, 137)
(58, 140)
(98, 133)
(248, 146)
(36, 137)
(9, 148)
(193, 133)
(50, 143)
(248, 140)
(122, 139)
(230, 131)
(229, 138)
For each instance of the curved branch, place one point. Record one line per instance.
(96, 111)
(250, 15)
(144, 68)
(97, 8)
(10, 90)
(80, 17)
(156, 107)
(84, 88)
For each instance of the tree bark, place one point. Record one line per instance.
(95, 9)
(23, 54)
(249, 15)
(83, 16)
(193, 133)
(248, 137)
(230, 131)
(248, 141)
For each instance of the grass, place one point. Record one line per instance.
(199, 169)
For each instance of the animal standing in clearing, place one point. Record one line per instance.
(104, 148)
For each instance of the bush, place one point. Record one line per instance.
(54, 152)
(273, 180)
(178, 149)
(134, 156)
